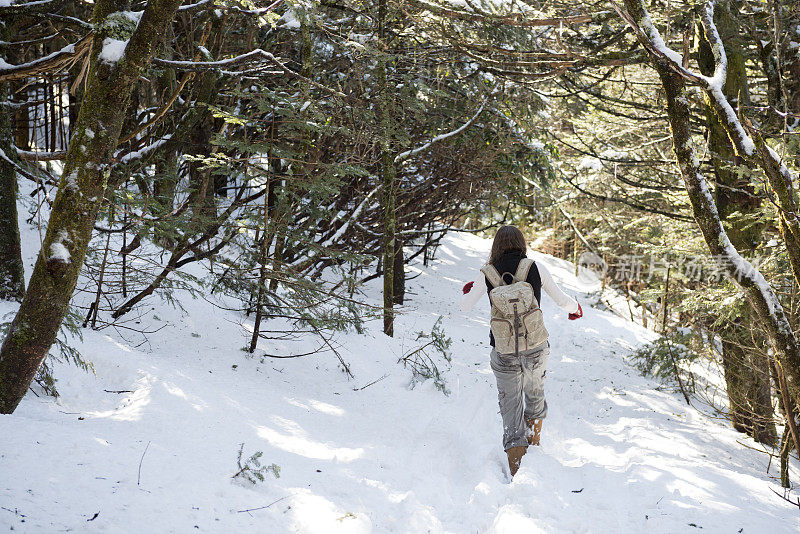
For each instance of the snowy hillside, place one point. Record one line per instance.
(150, 443)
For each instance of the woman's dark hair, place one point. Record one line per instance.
(508, 238)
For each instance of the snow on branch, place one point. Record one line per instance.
(353, 217)
(781, 178)
(26, 174)
(31, 155)
(257, 11)
(8, 7)
(651, 39)
(210, 3)
(253, 55)
(142, 152)
(410, 153)
(742, 141)
(511, 19)
(56, 61)
(197, 5)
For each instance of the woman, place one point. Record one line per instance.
(519, 377)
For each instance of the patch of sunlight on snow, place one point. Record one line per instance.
(657, 404)
(319, 406)
(413, 269)
(314, 514)
(297, 403)
(648, 473)
(510, 519)
(132, 406)
(615, 397)
(483, 488)
(391, 496)
(196, 403)
(447, 250)
(688, 484)
(118, 344)
(601, 455)
(326, 408)
(297, 441)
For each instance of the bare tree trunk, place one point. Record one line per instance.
(399, 284)
(12, 280)
(165, 181)
(81, 190)
(266, 239)
(388, 173)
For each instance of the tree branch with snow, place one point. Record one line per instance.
(400, 158)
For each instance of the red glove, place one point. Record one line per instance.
(577, 315)
(467, 287)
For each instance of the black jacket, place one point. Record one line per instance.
(508, 263)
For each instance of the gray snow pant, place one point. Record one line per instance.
(518, 377)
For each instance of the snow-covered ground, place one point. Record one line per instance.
(373, 454)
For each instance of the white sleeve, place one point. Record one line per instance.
(469, 300)
(564, 301)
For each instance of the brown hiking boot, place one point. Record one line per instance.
(515, 455)
(534, 429)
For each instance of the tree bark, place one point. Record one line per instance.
(82, 187)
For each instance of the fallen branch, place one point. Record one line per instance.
(139, 475)
(371, 383)
(263, 507)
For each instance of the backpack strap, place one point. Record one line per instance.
(523, 269)
(493, 275)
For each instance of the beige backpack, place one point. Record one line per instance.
(517, 323)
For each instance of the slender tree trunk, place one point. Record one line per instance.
(399, 284)
(81, 190)
(20, 115)
(165, 181)
(12, 280)
(262, 273)
(388, 172)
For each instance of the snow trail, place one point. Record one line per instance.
(617, 455)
